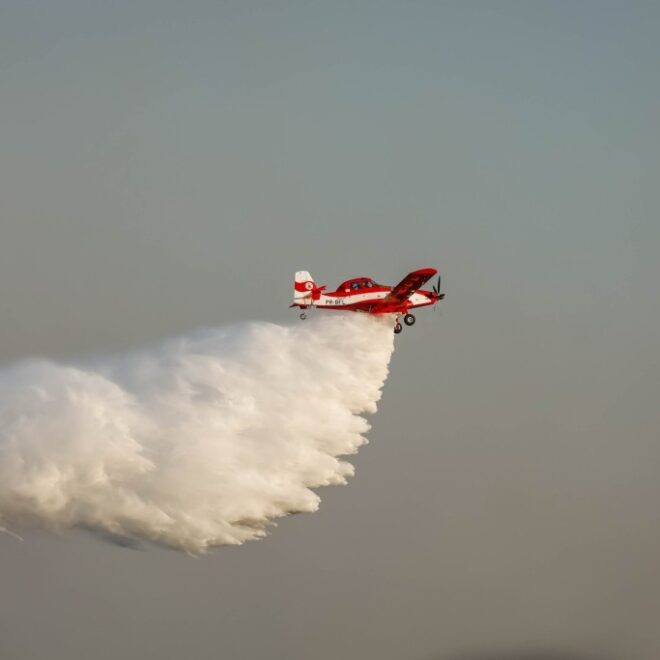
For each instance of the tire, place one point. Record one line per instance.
(303, 316)
(409, 319)
(397, 328)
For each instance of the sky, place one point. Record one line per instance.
(166, 166)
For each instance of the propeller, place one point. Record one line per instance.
(436, 290)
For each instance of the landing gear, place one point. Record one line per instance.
(303, 316)
(408, 319)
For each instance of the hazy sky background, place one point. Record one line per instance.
(169, 165)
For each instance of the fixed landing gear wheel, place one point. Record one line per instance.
(303, 316)
(397, 328)
(409, 319)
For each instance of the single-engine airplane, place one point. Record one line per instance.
(362, 294)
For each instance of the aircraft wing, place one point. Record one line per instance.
(409, 284)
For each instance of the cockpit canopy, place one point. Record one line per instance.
(357, 284)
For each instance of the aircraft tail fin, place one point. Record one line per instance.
(303, 288)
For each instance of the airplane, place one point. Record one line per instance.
(362, 294)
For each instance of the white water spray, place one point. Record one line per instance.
(201, 441)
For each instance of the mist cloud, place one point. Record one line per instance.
(201, 441)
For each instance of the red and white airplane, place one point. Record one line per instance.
(362, 294)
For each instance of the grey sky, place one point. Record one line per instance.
(169, 165)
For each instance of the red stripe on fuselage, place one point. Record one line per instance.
(377, 306)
